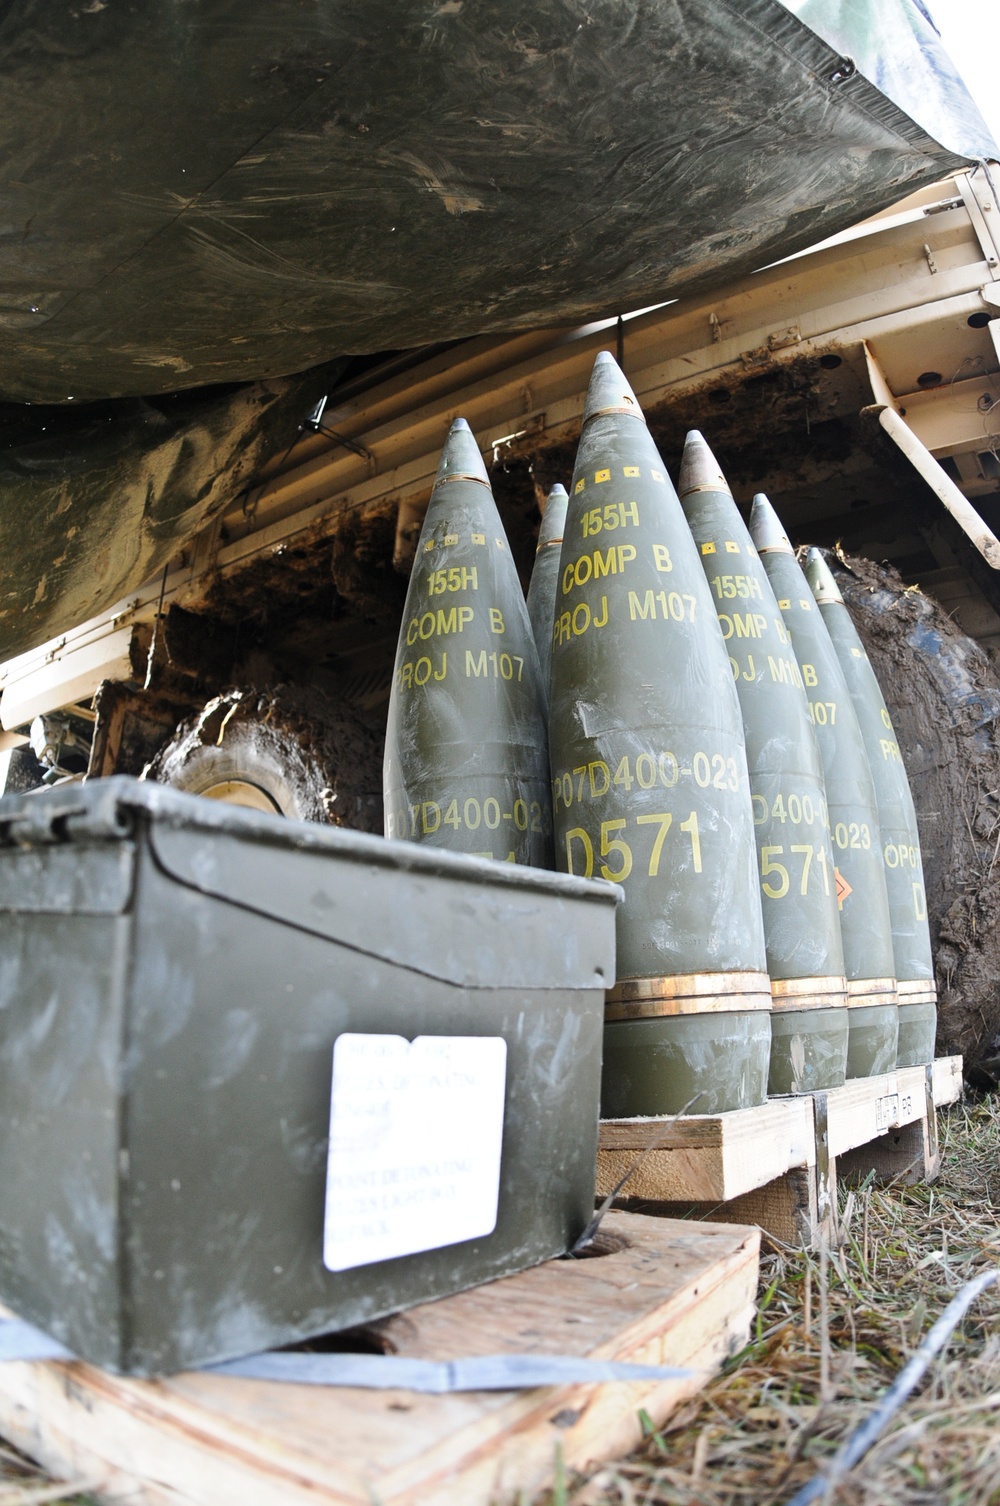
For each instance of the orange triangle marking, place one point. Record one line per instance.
(843, 888)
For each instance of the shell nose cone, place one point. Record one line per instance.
(460, 456)
(765, 528)
(609, 391)
(554, 517)
(820, 578)
(700, 471)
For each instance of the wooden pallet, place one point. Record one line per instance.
(670, 1293)
(777, 1165)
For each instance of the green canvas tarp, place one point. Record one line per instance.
(208, 192)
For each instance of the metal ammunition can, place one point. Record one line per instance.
(174, 977)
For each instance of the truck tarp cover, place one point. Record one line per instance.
(206, 192)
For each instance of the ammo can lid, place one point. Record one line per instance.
(461, 919)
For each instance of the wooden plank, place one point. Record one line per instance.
(671, 1292)
(706, 1158)
(867, 1107)
(861, 1110)
(910, 1150)
(760, 1165)
(787, 1208)
(908, 1153)
(948, 1082)
(911, 1084)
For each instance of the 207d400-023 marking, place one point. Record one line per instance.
(592, 781)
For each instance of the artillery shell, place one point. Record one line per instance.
(649, 778)
(544, 581)
(805, 958)
(911, 942)
(854, 827)
(466, 765)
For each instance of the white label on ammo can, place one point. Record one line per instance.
(415, 1137)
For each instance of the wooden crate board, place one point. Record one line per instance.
(674, 1293)
(861, 1110)
(910, 1147)
(706, 1157)
(865, 1109)
(948, 1081)
(714, 1158)
(786, 1208)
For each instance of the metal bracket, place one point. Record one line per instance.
(983, 212)
(781, 339)
(932, 1126)
(924, 463)
(821, 1126)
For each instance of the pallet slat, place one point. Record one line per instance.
(776, 1165)
(673, 1293)
(706, 1157)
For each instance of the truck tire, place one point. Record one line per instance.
(943, 694)
(290, 751)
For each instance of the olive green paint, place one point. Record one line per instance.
(911, 940)
(917, 1032)
(700, 1063)
(873, 1044)
(649, 776)
(854, 827)
(544, 581)
(466, 764)
(175, 974)
(809, 1049)
(796, 878)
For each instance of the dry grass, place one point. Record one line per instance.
(23, 1484)
(830, 1336)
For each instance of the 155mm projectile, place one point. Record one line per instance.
(805, 958)
(544, 582)
(649, 778)
(911, 942)
(466, 763)
(850, 793)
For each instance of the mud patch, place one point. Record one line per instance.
(943, 693)
(362, 562)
